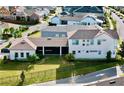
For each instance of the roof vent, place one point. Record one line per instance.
(49, 38)
(22, 42)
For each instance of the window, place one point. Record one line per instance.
(16, 54)
(87, 51)
(63, 35)
(27, 54)
(57, 35)
(83, 44)
(79, 51)
(73, 52)
(22, 54)
(92, 42)
(88, 23)
(87, 40)
(75, 42)
(83, 40)
(99, 52)
(98, 42)
(87, 44)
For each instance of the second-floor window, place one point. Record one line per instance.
(99, 42)
(75, 42)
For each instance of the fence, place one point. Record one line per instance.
(36, 77)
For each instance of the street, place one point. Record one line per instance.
(120, 26)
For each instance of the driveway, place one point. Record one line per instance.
(96, 76)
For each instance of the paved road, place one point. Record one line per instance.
(111, 72)
(120, 25)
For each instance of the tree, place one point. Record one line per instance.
(22, 76)
(11, 30)
(69, 57)
(108, 56)
(121, 51)
(6, 31)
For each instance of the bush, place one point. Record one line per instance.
(69, 57)
(40, 56)
(108, 56)
(33, 58)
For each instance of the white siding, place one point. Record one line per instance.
(12, 53)
(108, 45)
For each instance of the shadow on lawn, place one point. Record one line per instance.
(16, 66)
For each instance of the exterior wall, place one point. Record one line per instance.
(12, 54)
(108, 45)
(54, 34)
(85, 21)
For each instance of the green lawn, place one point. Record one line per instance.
(36, 35)
(51, 68)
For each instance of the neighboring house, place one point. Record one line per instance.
(76, 20)
(93, 44)
(4, 12)
(88, 42)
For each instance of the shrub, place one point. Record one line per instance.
(108, 56)
(40, 56)
(69, 57)
(33, 58)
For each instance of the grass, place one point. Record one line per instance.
(36, 34)
(51, 68)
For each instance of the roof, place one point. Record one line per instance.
(33, 43)
(67, 28)
(49, 41)
(84, 34)
(89, 9)
(79, 17)
(113, 33)
(4, 11)
(22, 44)
(90, 34)
(84, 9)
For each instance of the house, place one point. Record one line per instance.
(76, 20)
(93, 44)
(87, 42)
(4, 12)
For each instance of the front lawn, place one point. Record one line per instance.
(50, 68)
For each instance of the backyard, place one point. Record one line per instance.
(49, 68)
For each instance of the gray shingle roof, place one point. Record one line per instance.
(68, 28)
(49, 41)
(84, 34)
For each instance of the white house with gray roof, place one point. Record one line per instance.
(89, 42)
(76, 20)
